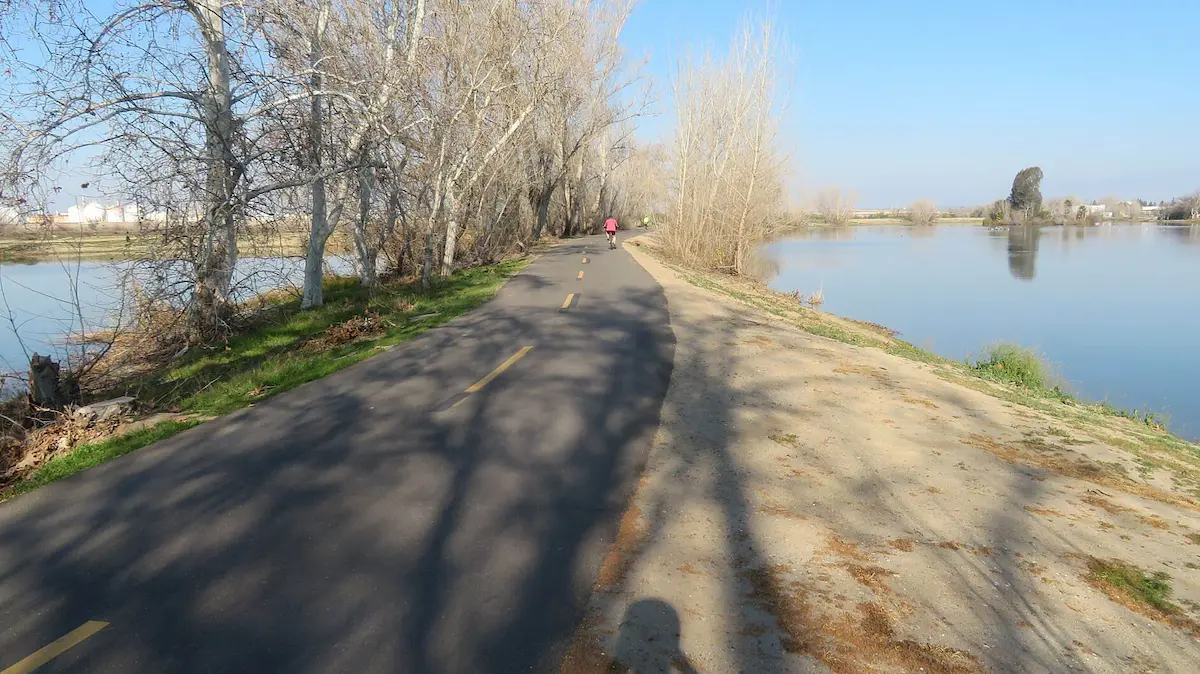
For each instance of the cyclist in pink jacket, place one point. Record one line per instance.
(610, 228)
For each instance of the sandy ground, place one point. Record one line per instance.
(812, 506)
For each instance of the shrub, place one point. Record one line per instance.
(1014, 364)
(923, 212)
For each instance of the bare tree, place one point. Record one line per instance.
(727, 166)
(923, 212)
(835, 205)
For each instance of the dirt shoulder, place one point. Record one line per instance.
(813, 505)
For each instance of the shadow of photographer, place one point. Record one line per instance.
(649, 640)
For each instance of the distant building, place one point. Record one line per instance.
(88, 213)
(93, 213)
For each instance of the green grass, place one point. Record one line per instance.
(1133, 586)
(86, 456)
(268, 358)
(266, 361)
(1014, 364)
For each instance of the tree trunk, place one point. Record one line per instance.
(452, 224)
(541, 204)
(577, 213)
(46, 386)
(430, 228)
(364, 243)
(314, 258)
(218, 254)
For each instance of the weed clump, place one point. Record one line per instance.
(1014, 364)
(1126, 584)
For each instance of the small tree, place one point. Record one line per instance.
(923, 212)
(835, 205)
(1026, 195)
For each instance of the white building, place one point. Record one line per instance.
(93, 213)
(121, 213)
(90, 212)
(9, 216)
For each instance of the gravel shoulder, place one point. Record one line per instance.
(812, 506)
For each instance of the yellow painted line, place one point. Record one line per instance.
(567, 303)
(580, 275)
(491, 375)
(585, 259)
(56, 648)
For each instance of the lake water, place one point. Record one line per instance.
(37, 301)
(1116, 307)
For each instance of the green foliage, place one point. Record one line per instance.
(1014, 364)
(1154, 420)
(1130, 582)
(1026, 192)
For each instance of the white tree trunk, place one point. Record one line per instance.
(314, 259)
(452, 224)
(214, 273)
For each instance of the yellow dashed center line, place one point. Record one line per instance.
(56, 648)
(580, 275)
(491, 375)
(570, 298)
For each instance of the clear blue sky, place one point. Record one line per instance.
(948, 99)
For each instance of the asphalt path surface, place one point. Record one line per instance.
(382, 519)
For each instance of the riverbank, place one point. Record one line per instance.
(821, 496)
(278, 348)
(117, 246)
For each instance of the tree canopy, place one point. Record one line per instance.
(1026, 192)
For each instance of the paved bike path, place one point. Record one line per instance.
(377, 520)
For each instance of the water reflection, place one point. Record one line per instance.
(1022, 251)
(1189, 234)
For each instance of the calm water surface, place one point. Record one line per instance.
(37, 301)
(1115, 307)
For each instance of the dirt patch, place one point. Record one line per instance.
(1154, 521)
(1047, 512)
(1033, 452)
(780, 511)
(586, 653)
(874, 373)
(630, 535)
(840, 547)
(849, 643)
(1105, 504)
(902, 544)
(758, 340)
(870, 577)
(923, 402)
